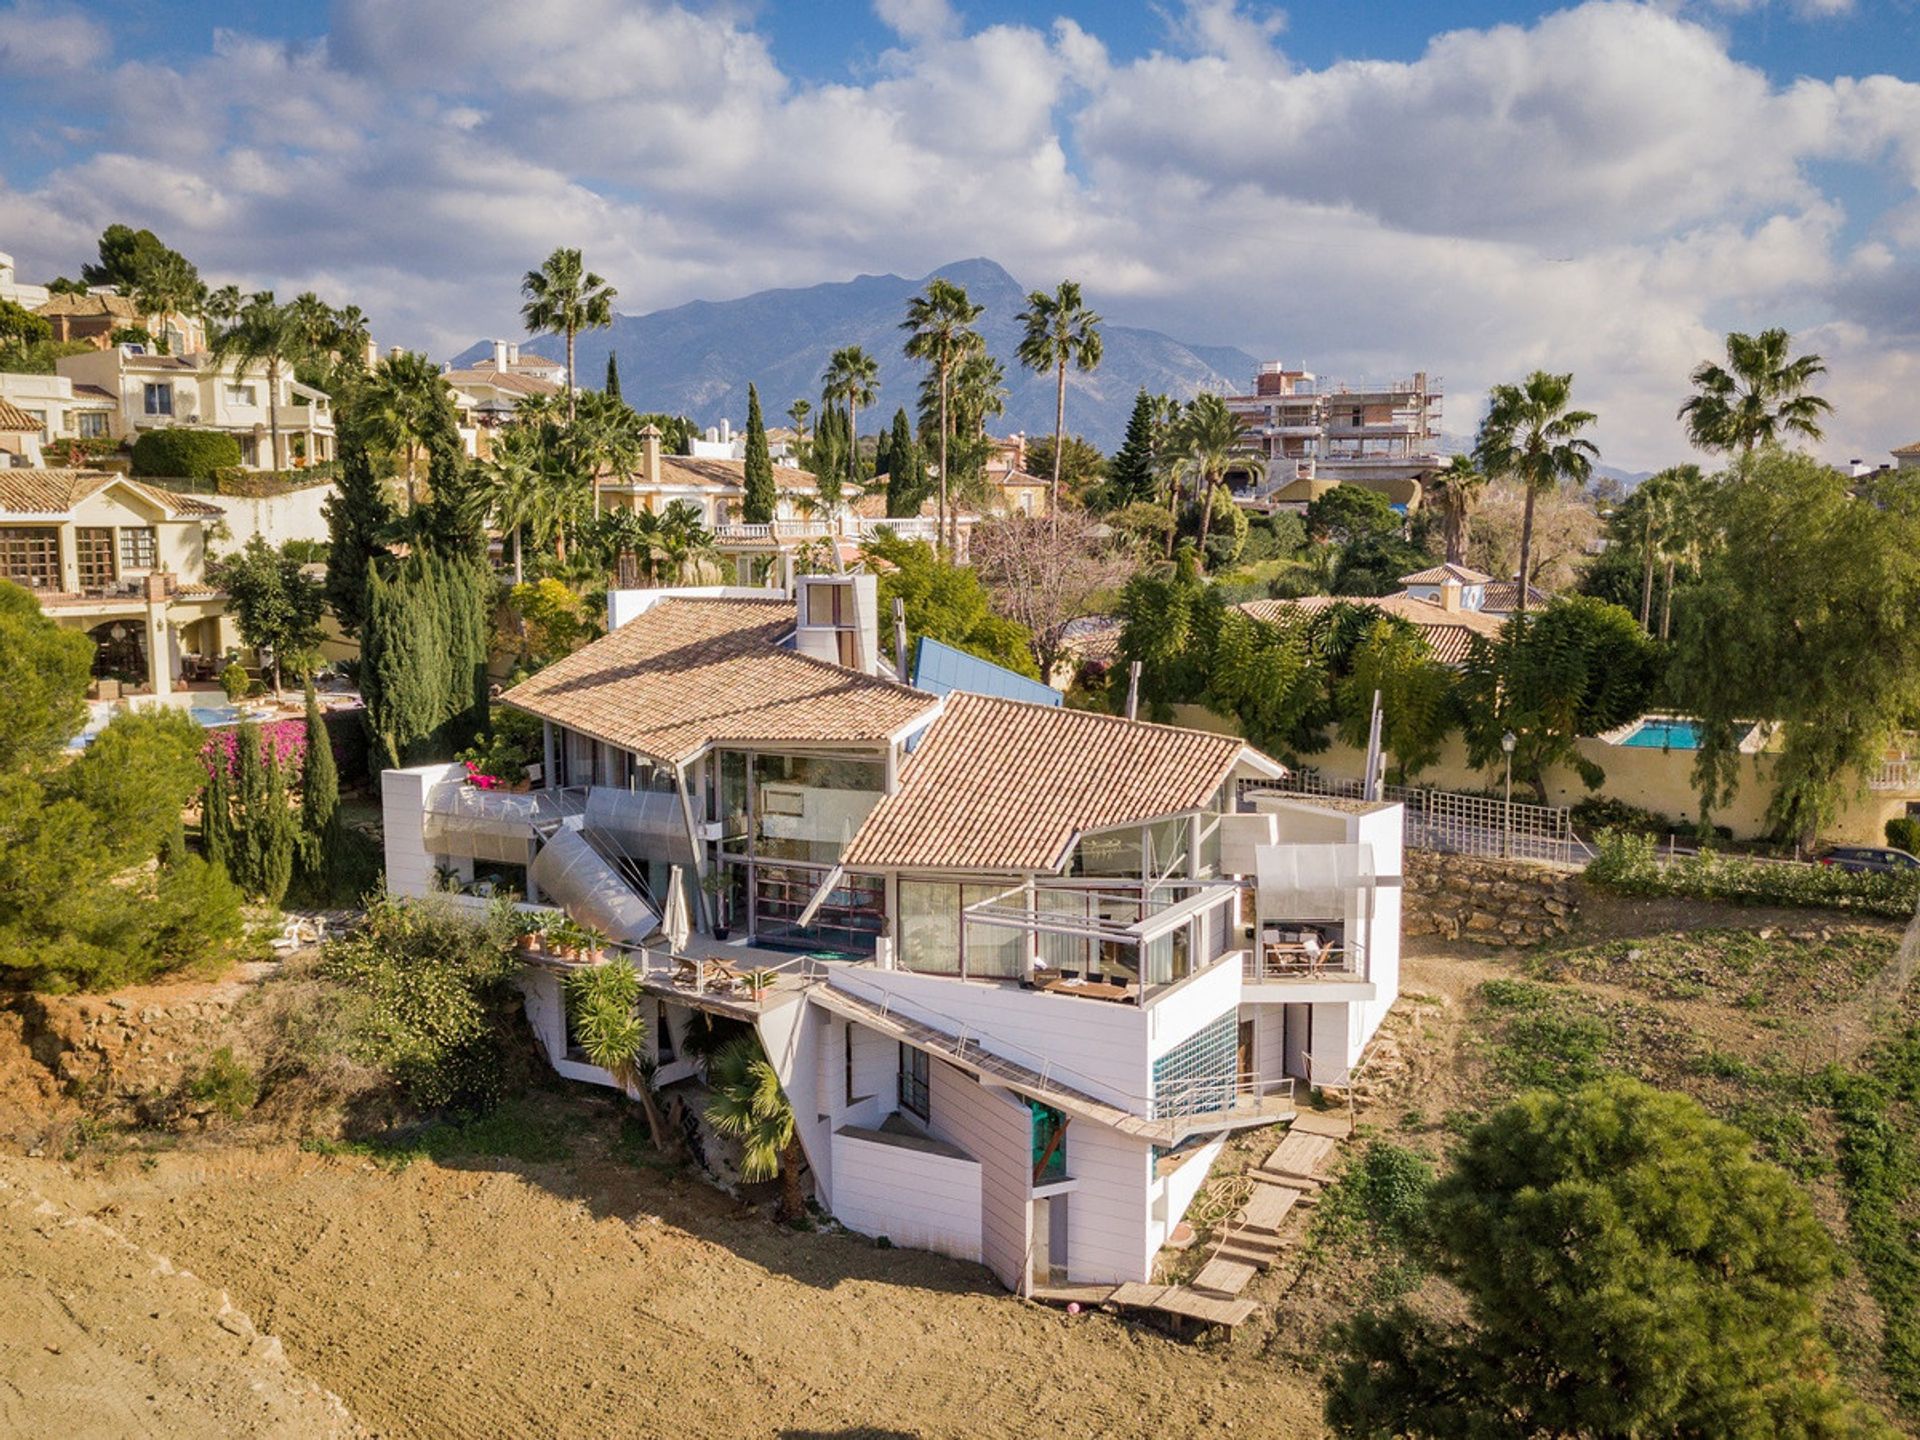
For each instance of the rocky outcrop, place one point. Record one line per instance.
(1491, 902)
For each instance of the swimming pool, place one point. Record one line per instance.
(209, 716)
(100, 714)
(1660, 733)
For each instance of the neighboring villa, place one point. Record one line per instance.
(1020, 492)
(123, 561)
(62, 413)
(486, 393)
(1029, 967)
(1315, 435)
(97, 315)
(1476, 592)
(141, 392)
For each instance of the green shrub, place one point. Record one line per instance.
(225, 1083)
(1903, 833)
(442, 999)
(181, 454)
(1603, 812)
(235, 682)
(1631, 865)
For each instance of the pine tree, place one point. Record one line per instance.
(358, 517)
(757, 505)
(216, 814)
(319, 801)
(907, 480)
(612, 386)
(1130, 475)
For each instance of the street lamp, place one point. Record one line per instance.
(1507, 743)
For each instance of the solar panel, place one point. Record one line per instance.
(939, 669)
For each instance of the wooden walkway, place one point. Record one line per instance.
(1175, 1300)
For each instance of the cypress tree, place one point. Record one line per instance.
(277, 832)
(216, 815)
(319, 801)
(757, 505)
(907, 481)
(613, 374)
(358, 518)
(250, 811)
(1130, 475)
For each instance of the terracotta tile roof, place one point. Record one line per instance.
(92, 392)
(54, 492)
(1503, 595)
(121, 307)
(1094, 637)
(502, 380)
(1449, 571)
(723, 474)
(873, 504)
(12, 417)
(1001, 785)
(1913, 449)
(1449, 633)
(693, 672)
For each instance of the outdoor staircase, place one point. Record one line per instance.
(1288, 1180)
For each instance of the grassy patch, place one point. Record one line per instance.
(1878, 1109)
(1749, 968)
(519, 1130)
(1371, 1213)
(1543, 1037)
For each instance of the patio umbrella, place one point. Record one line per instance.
(677, 923)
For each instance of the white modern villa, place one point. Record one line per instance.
(1022, 969)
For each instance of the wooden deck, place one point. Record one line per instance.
(1176, 1300)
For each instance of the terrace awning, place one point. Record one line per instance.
(1312, 882)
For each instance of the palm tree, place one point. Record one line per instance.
(799, 412)
(168, 285)
(603, 1001)
(939, 330)
(1532, 436)
(564, 298)
(1757, 397)
(1654, 502)
(684, 537)
(223, 305)
(1686, 502)
(1455, 491)
(402, 399)
(263, 333)
(521, 498)
(749, 1105)
(851, 377)
(1060, 331)
(604, 434)
(1206, 446)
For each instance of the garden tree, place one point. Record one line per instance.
(1564, 525)
(631, 544)
(1374, 563)
(1227, 528)
(1675, 512)
(1628, 1268)
(134, 778)
(1579, 667)
(564, 298)
(1269, 677)
(606, 437)
(277, 607)
(264, 836)
(1047, 572)
(1531, 435)
(798, 413)
(939, 331)
(1452, 493)
(403, 402)
(321, 839)
(521, 501)
(19, 326)
(1132, 477)
(908, 482)
(851, 379)
(758, 498)
(1803, 616)
(1759, 397)
(223, 304)
(1416, 695)
(1082, 466)
(217, 839)
(828, 453)
(612, 385)
(1169, 619)
(676, 431)
(1059, 331)
(44, 671)
(1348, 513)
(603, 1006)
(553, 622)
(359, 518)
(423, 661)
(1206, 445)
(749, 1105)
(1147, 525)
(168, 285)
(269, 335)
(178, 453)
(947, 602)
(128, 256)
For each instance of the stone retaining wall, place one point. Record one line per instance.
(1493, 902)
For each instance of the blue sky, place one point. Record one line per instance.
(1471, 188)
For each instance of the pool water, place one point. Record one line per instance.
(211, 715)
(100, 714)
(1665, 735)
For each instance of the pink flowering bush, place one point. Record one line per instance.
(282, 740)
(479, 779)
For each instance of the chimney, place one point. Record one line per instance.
(1859, 467)
(1450, 590)
(838, 620)
(650, 453)
(513, 352)
(500, 355)
(726, 431)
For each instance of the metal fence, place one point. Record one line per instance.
(1454, 823)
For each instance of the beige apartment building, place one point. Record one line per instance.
(1315, 434)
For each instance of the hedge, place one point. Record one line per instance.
(181, 454)
(1631, 865)
(261, 484)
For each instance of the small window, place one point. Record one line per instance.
(847, 1049)
(242, 395)
(137, 547)
(91, 424)
(916, 1082)
(40, 416)
(663, 1051)
(159, 399)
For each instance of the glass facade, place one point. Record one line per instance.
(1199, 1075)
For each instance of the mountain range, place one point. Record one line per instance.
(697, 359)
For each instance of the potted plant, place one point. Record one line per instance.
(563, 940)
(593, 944)
(759, 982)
(529, 927)
(717, 883)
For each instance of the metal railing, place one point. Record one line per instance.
(1455, 823)
(1341, 960)
(1236, 1094)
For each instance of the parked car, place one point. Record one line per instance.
(1859, 859)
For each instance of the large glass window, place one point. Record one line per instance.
(729, 800)
(807, 807)
(916, 1082)
(30, 557)
(91, 424)
(1049, 1143)
(995, 952)
(929, 928)
(138, 547)
(93, 556)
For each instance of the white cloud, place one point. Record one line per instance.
(38, 39)
(1603, 191)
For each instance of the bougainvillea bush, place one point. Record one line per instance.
(284, 741)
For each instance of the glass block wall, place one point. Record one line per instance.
(1197, 1076)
